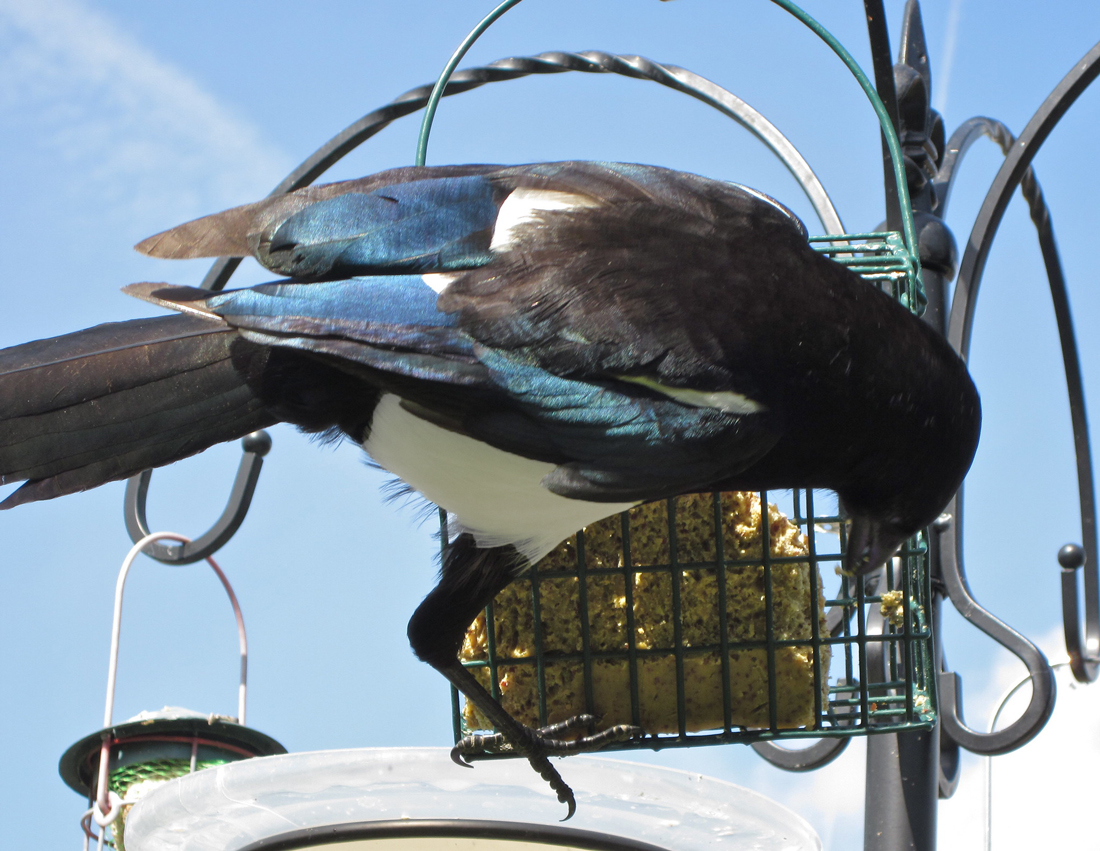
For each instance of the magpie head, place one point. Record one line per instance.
(901, 489)
(881, 522)
(903, 499)
(878, 528)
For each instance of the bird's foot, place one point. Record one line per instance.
(547, 739)
(540, 744)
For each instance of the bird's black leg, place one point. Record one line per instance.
(470, 579)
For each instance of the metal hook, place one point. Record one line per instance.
(818, 754)
(1081, 636)
(948, 526)
(255, 446)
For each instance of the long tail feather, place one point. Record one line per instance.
(105, 403)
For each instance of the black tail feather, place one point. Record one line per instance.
(105, 403)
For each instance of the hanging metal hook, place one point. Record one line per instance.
(255, 446)
(1082, 639)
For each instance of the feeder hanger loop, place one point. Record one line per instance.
(255, 446)
(107, 804)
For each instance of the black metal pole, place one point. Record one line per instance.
(903, 769)
(883, 66)
(901, 806)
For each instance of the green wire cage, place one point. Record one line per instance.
(632, 620)
(718, 618)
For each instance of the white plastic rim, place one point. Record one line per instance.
(289, 802)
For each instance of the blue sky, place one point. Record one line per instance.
(121, 118)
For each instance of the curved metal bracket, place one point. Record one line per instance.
(996, 200)
(1082, 639)
(255, 446)
(824, 751)
(1080, 645)
(965, 135)
(1032, 720)
(818, 754)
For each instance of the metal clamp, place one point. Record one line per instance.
(255, 446)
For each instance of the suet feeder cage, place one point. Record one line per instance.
(117, 766)
(633, 621)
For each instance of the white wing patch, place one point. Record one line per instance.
(495, 495)
(523, 206)
(725, 401)
(439, 281)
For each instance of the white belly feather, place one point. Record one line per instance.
(495, 495)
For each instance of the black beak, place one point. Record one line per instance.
(870, 545)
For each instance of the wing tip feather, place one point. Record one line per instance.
(224, 234)
(174, 297)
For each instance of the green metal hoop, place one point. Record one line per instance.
(448, 69)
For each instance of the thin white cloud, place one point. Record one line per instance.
(941, 85)
(139, 135)
(1043, 794)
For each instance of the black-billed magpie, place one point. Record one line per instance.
(531, 348)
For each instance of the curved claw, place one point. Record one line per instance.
(538, 760)
(522, 740)
(550, 774)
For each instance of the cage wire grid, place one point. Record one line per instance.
(880, 258)
(880, 676)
